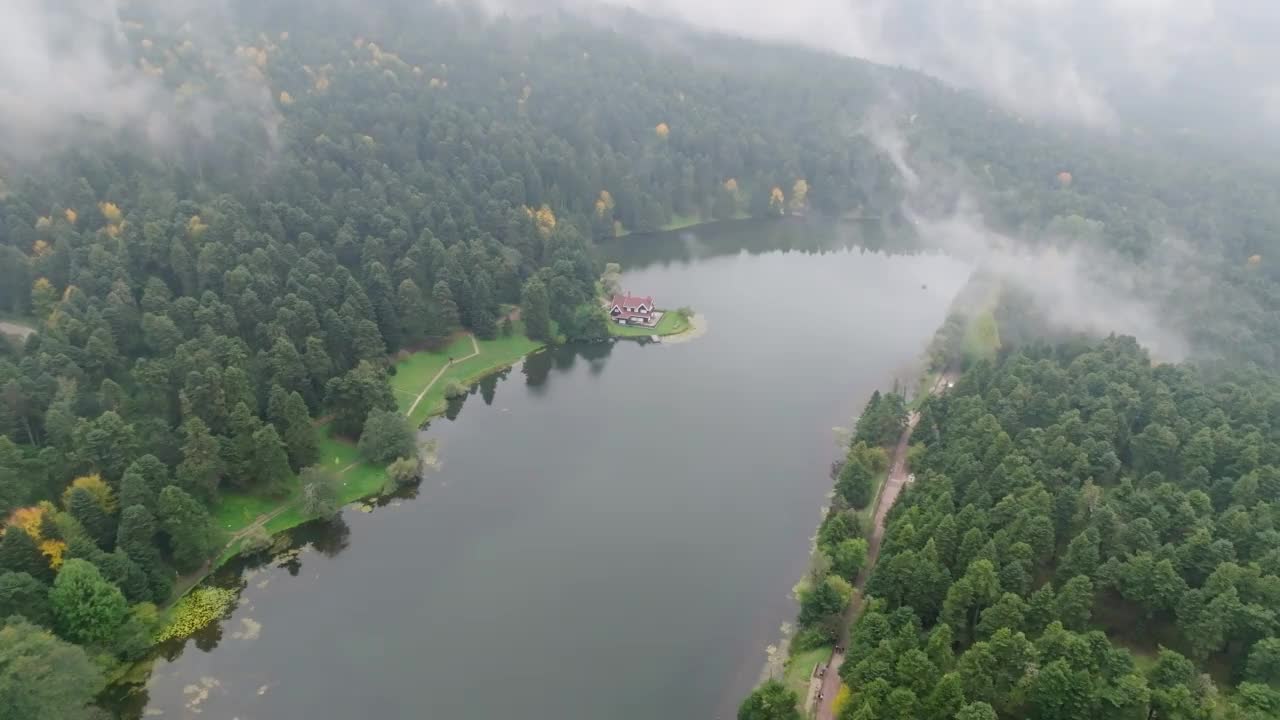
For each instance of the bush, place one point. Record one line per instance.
(455, 389)
(810, 638)
(257, 540)
(196, 610)
(404, 471)
(319, 493)
(387, 435)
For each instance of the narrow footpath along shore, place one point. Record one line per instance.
(894, 484)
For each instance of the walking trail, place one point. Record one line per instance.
(475, 350)
(897, 479)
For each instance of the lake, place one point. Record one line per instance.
(614, 530)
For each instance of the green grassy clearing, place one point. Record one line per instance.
(494, 355)
(867, 515)
(358, 479)
(672, 323)
(414, 372)
(800, 667)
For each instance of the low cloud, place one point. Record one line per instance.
(75, 69)
(1076, 288)
(1084, 61)
(1071, 280)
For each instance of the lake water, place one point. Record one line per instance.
(614, 530)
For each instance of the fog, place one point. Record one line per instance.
(67, 73)
(1104, 63)
(1076, 285)
(1173, 64)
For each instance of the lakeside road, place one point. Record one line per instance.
(893, 485)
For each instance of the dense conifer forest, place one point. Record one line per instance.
(340, 187)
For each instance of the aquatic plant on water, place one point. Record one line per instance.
(196, 610)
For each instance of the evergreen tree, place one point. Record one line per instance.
(354, 395)
(771, 701)
(298, 433)
(269, 459)
(192, 537)
(142, 482)
(535, 309)
(136, 538)
(19, 553)
(411, 307)
(84, 507)
(854, 484)
(21, 594)
(201, 469)
(444, 309)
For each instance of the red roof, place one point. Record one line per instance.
(627, 300)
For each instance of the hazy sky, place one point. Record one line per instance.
(1071, 59)
(1104, 63)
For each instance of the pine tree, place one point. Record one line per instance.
(21, 594)
(297, 432)
(19, 553)
(84, 507)
(143, 481)
(136, 538)
(201, 468)
(411, 307)
(351, 397)
(444, 307)
(192, 537)
(238, 450)
(535, 308)
(269, 460)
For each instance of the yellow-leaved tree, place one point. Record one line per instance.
(777, 203)
(543, 220)
(604, 206)
(29, 519)
(662, 130)
(70, 215)
(43, 297)
(110, 211)
(800, 196)
(96, 487)
(196, 227)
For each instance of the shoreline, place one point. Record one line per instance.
(346, 456)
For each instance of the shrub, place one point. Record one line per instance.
(455, 389)
(404, 471)
(257, 540)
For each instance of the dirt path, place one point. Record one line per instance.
(475, 350)
(897, 480)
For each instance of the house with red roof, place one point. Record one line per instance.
(628, 309)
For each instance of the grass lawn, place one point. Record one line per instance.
(800, 668)
(494, 355)
(414, 372)
(672, 323)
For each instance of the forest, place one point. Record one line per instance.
(204, 308)
(1089, 535)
